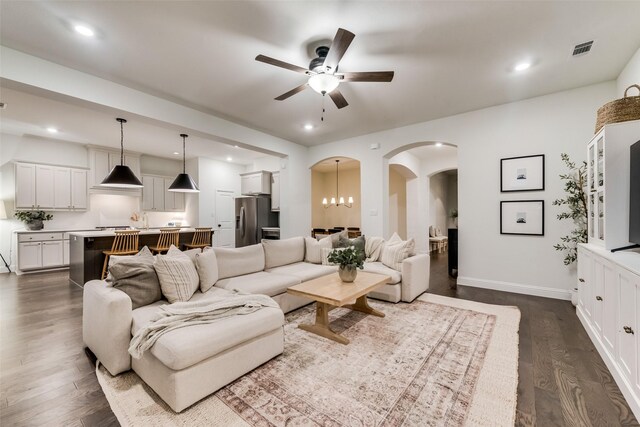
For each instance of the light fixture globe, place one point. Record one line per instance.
(323, 83)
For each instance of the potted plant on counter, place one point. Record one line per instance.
(348, 261)
(33, 220)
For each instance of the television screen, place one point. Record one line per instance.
(634, 195)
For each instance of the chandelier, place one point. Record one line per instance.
(340, 199)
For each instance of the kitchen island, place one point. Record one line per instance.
(85, 250)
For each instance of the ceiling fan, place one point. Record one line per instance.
(323, 70)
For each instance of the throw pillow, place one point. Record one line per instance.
(144, 253)
(177, 275)
(358, 243)
(393, 254)
(207, 266)
(138, 279)
(326, 252)
(394, 239)
(335, 237)
(313, 253)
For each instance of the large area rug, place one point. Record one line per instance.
(435, 362)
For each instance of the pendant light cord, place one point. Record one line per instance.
(184, 154)
(121, 143)
(337, 180)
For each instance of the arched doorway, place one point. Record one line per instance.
(335, 193)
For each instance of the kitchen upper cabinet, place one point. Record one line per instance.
(157, 197)
(50, 187)
(25, 176)
(102, 161)
(45, 187)
(62, 188)
(79, 189)
(173, 201)
(253, 183)
(275, 191)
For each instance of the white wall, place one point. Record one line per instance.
(630, 75)
(323, 184)
(267, 163)
(397, 202)
(552, 124)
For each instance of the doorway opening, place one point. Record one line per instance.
(335, 195)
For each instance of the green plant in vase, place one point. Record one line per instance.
(33, 220)
(348, 260)
(576, 203)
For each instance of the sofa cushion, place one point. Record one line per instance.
(283, 252)
(373, 248)
(177, 275)
(239, 261)
(380, 268)
(207, 266)
(137, 278)
(184, 347)
(270, 284)
(304, 270)
(358, 243)
(313, 249)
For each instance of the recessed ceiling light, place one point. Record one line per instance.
(308, 126)
(235, 146)
(52, 130)
(438, 144)
(229, 159)
(84, 30)
(176, 153)
(522, 66)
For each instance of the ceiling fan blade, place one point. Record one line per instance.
(367, 76)
(292, 92)
(281, 64)
(339, 46)
(338, 99)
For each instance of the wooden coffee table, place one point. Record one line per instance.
(330, 292)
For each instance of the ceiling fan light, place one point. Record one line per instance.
(184, 184)
(324, 83)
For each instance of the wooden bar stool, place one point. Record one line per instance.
(168, 237)
(125, 243)
(201, 238)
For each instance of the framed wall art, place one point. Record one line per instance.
(522, 217)
(525, 173)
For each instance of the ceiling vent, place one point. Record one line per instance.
(582, 48)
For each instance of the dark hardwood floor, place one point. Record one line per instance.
(47, 379)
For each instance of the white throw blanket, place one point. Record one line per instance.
(183, 314)
(373, 248)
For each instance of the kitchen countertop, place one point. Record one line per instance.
(107, 233)
(50, 230)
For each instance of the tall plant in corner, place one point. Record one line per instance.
(575, 202)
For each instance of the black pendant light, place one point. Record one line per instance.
(183, 182)
(121, 176)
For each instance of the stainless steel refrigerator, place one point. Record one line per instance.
(253, 213)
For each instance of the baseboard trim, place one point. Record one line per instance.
(516, 288)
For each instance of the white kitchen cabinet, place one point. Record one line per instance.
(79, 189)
(99, 165)
(157, 197)
(253, 183)
(173, 201)
(275, 191)
(65, 252)
(29, 255)
(52, 254)
(25, 177)
(62, 188)
(613, 319)
(49, 187)
(45, 189)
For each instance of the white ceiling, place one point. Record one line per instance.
(28, 114)
(449, 57)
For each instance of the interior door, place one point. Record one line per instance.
(224, 235)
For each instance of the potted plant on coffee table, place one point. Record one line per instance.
(33, 219)
(348, 261)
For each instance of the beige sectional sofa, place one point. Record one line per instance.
(188, 364)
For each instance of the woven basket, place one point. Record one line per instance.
(620, 110)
